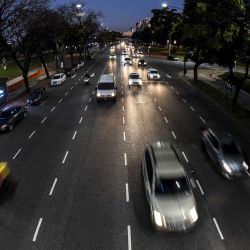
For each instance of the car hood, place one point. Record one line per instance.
(135, 80)
(176, 209)
(234, 161)
(33, 97)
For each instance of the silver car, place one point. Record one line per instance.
(225, 152)
(171, 201)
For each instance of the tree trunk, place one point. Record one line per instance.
(72, 59)
(44, 65)
(26, 81)
(196, 65)
(239, 86)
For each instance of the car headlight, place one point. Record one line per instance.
(4, 126)
(98, 94)
(245, 165)
(113, 94)
(140, 82)
(157, 218)
(159, 76)
(226, 167)
(193, 214)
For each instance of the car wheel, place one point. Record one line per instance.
(11, 127)
(25, 115)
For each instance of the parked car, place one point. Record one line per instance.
(58, 79)
(112, 56)
(37, 96)
(134, 79)
(168, 190)
(153, 74)
(69, 72)
(142, 63)
(225, 152)
(172, 58)
(80, 64)
(11, 116)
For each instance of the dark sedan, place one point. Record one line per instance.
(225, 152)
(142, 63)
(11, 116)
(37, 96)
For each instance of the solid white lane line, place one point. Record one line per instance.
(124, 136)
(80, 121)
(166, 120)
(53, 186)
(71, 88)
(129, 238)
(185, 157)
(90, 99)
(52, 109)
(177, 93)
(32, 134)
(66, 93)
(123, 120)
(174, 135)
(192, 108)
(125, 159)
(198, 183)
(14, 157)
(123, 109)
(184, 100)
(86, 108)
(60, 100)
(202, 120)
(218, 228)
(127, 193)
(155, 100)
(37, 229)
(44, 119)
(160, 108)
(74, 135)
(65, 156)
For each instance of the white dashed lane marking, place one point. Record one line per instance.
(32, 134)
(192, 108)
(173, 135)
(124, 136)
(53, 187)
(129, 238)
(166, 120)
(202, 120)
(37, 229)
(52, 109)
(127, 193)
(80, 121)
(201, 190)
(65, 157)
(218, 229)
(44, 119)
(74, 135)
(16, 154)
(184, 100)
(185, 157)
(86, 108)
(60, 100)
(125, 159)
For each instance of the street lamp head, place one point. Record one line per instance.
(164, 5)
(78, 6)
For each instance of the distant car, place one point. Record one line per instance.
(58, 79)
(168, 190)
(124, 52)
(135, 55)
(112, 56)
(134, 79)
(172, 58)
(80, 64)
(225, 152)
(69, 72)
(37, 96)
(127, 61)
(153, 74)
(11, 116)
(142, 63)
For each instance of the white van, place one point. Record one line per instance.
(106, 88)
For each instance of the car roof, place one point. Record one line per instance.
(167, 163)
(134, 73)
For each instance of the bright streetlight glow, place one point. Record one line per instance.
(78, 6)
(164, 5)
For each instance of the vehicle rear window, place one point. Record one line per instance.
(56, 77)
(134, 76)
(106, 85)
(171, 186)
(230, 148)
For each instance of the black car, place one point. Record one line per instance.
(11, 116)
(142, 63)
(172, 58)
(69, 72)
(37, 96)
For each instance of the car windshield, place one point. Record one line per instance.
(153, 71)
(134, 76)
(127, 59)
(230, 148)
(106, 86)
(57, 77)
(5, 114)
(171, 186)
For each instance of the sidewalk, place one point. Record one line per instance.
(211, 77)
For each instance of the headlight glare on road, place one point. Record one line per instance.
(245, 165)
(193, 215)
(157, 218)
(226, 167)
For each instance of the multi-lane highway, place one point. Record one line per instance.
(78, 171)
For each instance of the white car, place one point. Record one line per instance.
(153, 74)
(128, 61)
(58, 79)
(134, 79)
(112, 56)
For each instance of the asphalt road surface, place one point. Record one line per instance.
(76, 164)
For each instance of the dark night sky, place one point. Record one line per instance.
(120, 15)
